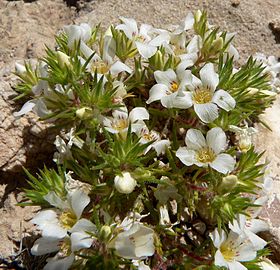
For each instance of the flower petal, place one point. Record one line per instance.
(195, 139)
(138, 113)
(216, 139)
(218, 238)
(207, 112)
(165, 77)
(236, 266)
(257, 242)
(160, 146)
(257, 225)
(246, 253)
(80, 240)
(219, 259)
(60, 264)
(52, 230)
(45, 216)
(157, 92)
(79, 201)
(45, 245)
(119, 67)
(186, 156)
(224, 163)
(27, 107)
(209, 77)
(224, 100)
(145, 50)
(83, 225)
(53, 199)
(129, 27)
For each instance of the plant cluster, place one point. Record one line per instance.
(155, 163)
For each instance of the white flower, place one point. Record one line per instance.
(244, 136)
(105, 63)
(121, 120)
(125, 183)
(152, 136)
(56, 223)
(135, 243)
(145, 43)
(232, 250)
(170, 89)
(203, 152)
(37, 105)
(204, 96)
(164, 215)
(248, 227)
(140, 265)
(77, 32)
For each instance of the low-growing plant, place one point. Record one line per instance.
(155, 163)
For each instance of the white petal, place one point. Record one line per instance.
(194, 45)
(216, 139)
(45, 216)
(129, 27)
(186, 156)
(79, 201)
(195, 139)
(165, 77)
(138, 113)
(52, 230)
(160, 39)
(27, 107)
(209, 77)
(83, 225)
(189, 21)
(207, 112)
(219, 259)
(80, 240)
(118, 67)
(109, 49)
(183, 101)
(224, 163)
(246, 253)
(236, 266)
(161, 146)
(184, 64)
(257, 242)
(157, 92)
(218, 238)
(145, 29)
(145, 50)
(87, 52)
(224, 100)
(60, 264)
(53, 199)
(44, 245)
(257, 225)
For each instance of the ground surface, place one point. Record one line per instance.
(26, 27)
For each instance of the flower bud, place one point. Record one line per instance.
(105, 233)
(63, 60)
(197, 15)
(20, 69)
(125, 183)
(228, 183)
(244, 143)
(217, 45)
(84, 113)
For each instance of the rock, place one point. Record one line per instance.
(267, 141)
(235, 3)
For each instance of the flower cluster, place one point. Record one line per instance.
(155, 126)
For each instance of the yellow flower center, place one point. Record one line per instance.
(202, 95)
(140, 38)
(228, 251)
(206, 155)
(100, 67)
(120, 124)
(67, 219)
(174, 87)
(149, 137)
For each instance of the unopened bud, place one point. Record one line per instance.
(63, 60)
(125, 183)
(20, 69)
(84, 113)
(228, 183)
(217, 45)
(244, 143)
(197, 15)
(252, 91)
(105, 233)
